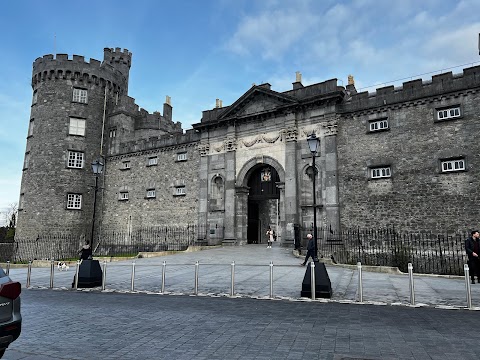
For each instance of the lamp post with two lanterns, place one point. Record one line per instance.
(313, 142)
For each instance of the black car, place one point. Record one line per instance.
(10, 317)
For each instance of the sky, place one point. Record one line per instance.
(197, 51)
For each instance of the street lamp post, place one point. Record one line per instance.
(313, 143)
(97, 168)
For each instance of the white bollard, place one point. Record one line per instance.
(360, 282)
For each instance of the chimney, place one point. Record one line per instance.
(217, 103)
(298, 81)
(351, 81)
(351, 85)
(167, 108)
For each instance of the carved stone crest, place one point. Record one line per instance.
(230, 144)
(204, 149)
(291, 134)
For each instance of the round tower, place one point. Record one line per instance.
(70, 98)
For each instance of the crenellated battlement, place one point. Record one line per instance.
(160, 143)
(77, 68)
(117, 55)
(441, 84)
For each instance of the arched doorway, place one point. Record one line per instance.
(263, 202)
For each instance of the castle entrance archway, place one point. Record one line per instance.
(260, 194)
(263, 203)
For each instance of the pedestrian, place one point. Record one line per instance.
(472, 248)
(310, 249)
(85, 251)
(270, 234)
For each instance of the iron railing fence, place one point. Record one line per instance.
(429, 253)
(62, 246)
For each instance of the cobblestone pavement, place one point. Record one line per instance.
(252, 278)
(98, 325)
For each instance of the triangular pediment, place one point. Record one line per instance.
(258, 100)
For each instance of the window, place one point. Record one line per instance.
(381, 172)
(30, 127)
(26, 161)
(77, 127)
(34, 98)
(450, 113)
(453, 165)
(124, 195)
(126, 165)
(182, 156)
(379, 125)
(75, 159)
(180, 190)
(80, 95)
(21, 201)
(74, 201)
(152, 161)
(113, 133)
(151, 193)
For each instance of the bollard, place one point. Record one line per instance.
(133, 276)
(232, 288)
(8, 268)
(104, 275)
(271, 279)
(360, 284)
(312, 278)
(52, 272)
(196, 278)
(467, 285)
(77, 269)
(412, 285)
(29, 273)
(163, 276)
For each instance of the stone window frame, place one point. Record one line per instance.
(180, 190)
(76, 127)
(126, 165)
(448, 116)
(112, 133)
(35, 97)
(74, 201)
(123, 195)
(76, 161)
(152, 161)
(459, 161)
(80, 95)
(21, 201)
(182, 156)
(379, 122)
(26, 160)
(31, 126)
(151, 193)
(380, 172)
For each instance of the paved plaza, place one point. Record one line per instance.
(62, 323)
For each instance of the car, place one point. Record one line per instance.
(10, 316)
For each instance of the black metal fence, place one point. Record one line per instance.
(428, 253)
(63, 246)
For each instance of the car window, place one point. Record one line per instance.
(2, 273)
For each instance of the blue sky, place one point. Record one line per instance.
(197, 51)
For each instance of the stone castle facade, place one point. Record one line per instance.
(404, 156)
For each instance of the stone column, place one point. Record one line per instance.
(230, 167)
(331, 176)
(202, 236)
(242, 214)
(291, 196)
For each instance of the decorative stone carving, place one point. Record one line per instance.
(204, 149)
(291, 134)
(230, 144)
(330, 127)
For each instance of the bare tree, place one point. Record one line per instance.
(11, 215)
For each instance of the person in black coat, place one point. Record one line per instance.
(472, 248)
(310, 249)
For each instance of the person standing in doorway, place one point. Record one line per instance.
(270, 234)
(310, 249)
(472, 248)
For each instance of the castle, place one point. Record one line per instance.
(404, 156)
